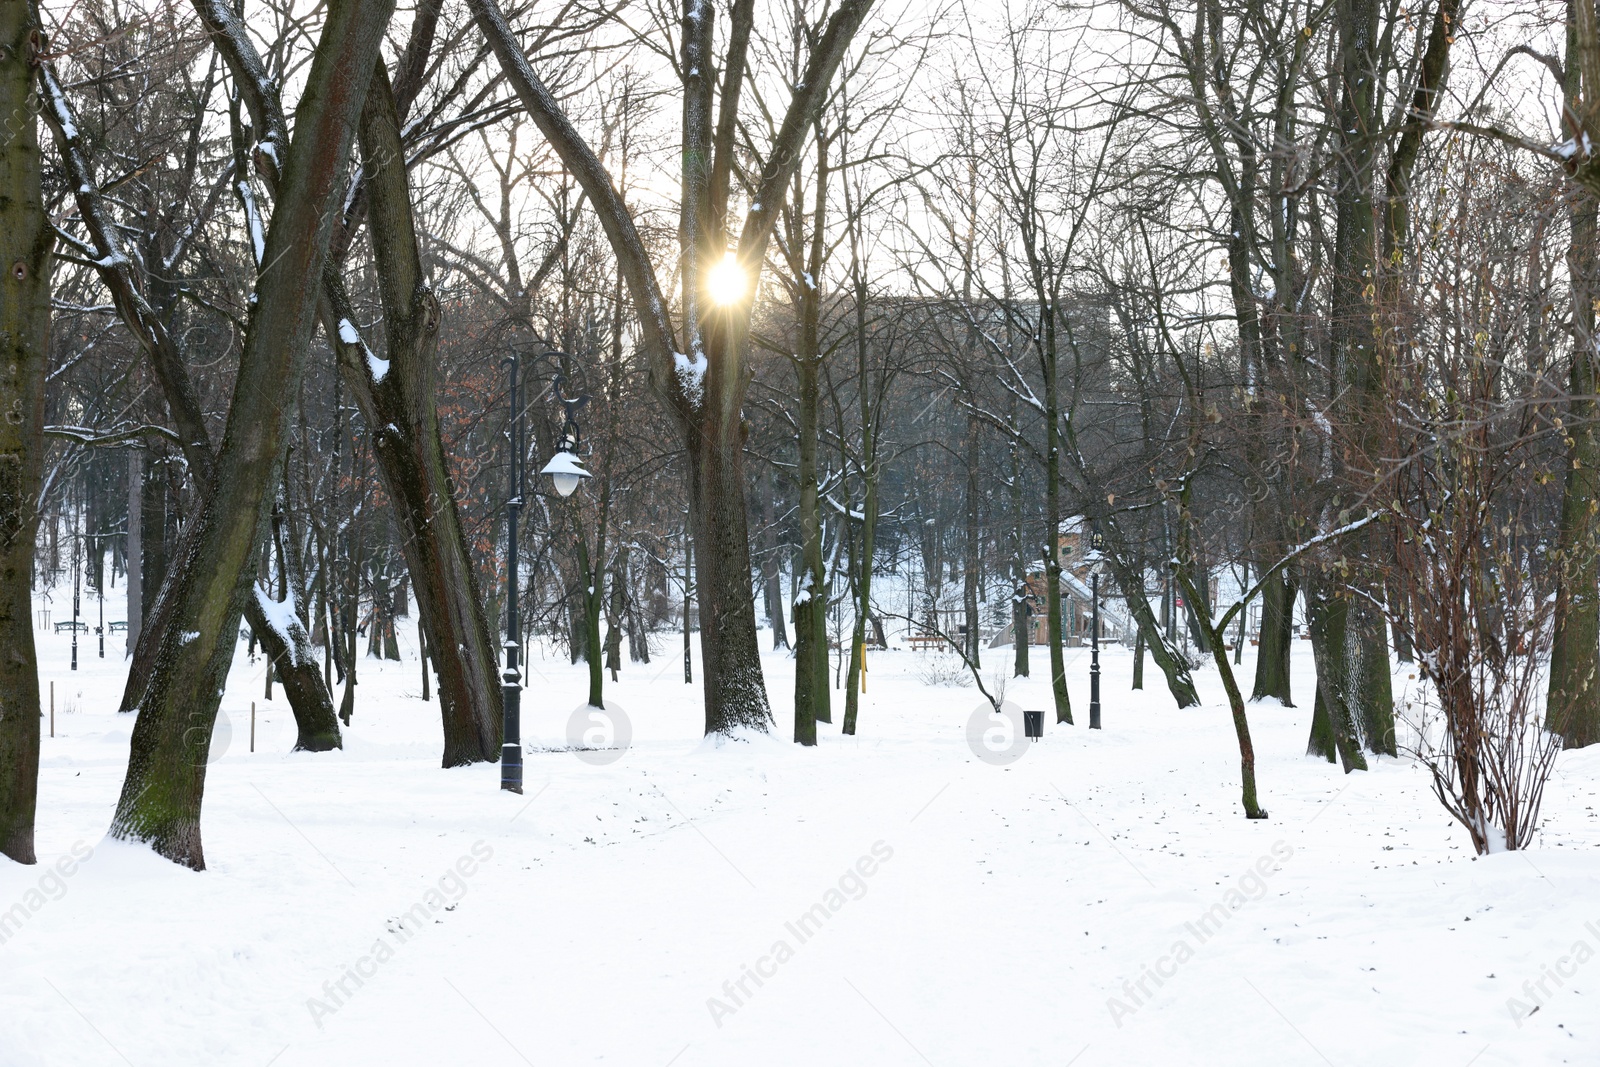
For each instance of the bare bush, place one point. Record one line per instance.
(942, 668)
(1471, 591)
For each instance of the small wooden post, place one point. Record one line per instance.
(863, 665)
(252, 726)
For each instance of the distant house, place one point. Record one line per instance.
(1077, 612)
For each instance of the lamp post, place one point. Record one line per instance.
(77, 579)
(1097, 544)
(565, 473)
(511, 680)
(101, 627)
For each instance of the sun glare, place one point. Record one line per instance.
(726, 283)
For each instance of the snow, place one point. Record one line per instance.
(283, 620)
(351, 336)
(691, 371)
(1572, 149)
(258, 239)
(708, 901)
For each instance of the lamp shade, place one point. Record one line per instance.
(565, 471)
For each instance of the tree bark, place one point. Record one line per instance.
(135, 546)
(1277, 639)
(1333, 724)
(1574, 691)
(811, 696)
(25, 249)
(162, 793)
(771, 573)
(1366, 691)
(399, 406)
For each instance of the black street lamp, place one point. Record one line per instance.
(511, 680)
(1097, 544)
(565, 472)
(77, 579)
(101, 629)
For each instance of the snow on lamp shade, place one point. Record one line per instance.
(565, 471)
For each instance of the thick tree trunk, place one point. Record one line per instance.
(1574, 692)
(398, 403)
(25, 245)
(735, 693)
(1333, 724)
(1367, 689)
(1277, 639)
(162, 793)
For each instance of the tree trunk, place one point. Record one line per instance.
(1333, 725)
(735, 694)
(863, 598)
(971, 560)
(135, 546)
(25, 244)
(162, 793)
(811, 697)
(1052, 546)
(1130, 579)
(771, 573)
(1366, 691)
(1574, 691)
(1021, 611)
(616, 615)
(399, 406)
(1241, 724)
(1277, 639)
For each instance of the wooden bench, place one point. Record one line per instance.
(119, 626)
(923, 641)
(81, 627)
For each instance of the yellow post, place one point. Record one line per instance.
(862, 646)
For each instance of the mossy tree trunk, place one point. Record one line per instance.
(25, 248)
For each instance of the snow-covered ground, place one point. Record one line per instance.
(880, 900)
